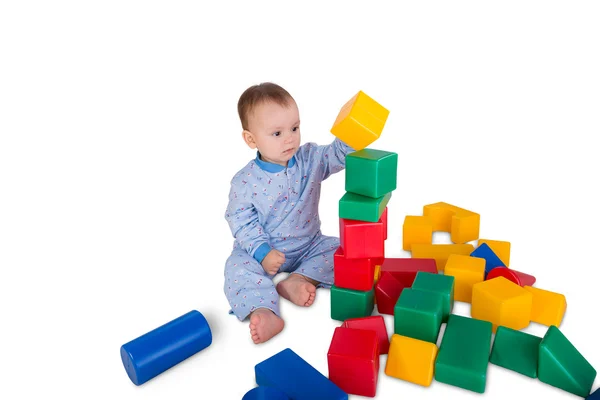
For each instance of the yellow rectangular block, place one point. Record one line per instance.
(440, 252)
(467, 271)
(462, 224)
(360, 121)
(548, 307)
(377, 272)
(502, 302)
(499, 247)
(416, 229)
(411, 360)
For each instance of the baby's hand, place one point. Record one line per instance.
(273, 261)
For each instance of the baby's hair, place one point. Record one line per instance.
(258, 94)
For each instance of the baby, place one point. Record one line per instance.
(273, 213)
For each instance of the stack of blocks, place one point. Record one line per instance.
(370, 179)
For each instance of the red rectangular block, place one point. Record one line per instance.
(352, 273)
(374, 323)
(384, 219)
(361, 239)
(405, 269)
(353, 361)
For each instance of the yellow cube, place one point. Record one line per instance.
(377, 272)
(416, 229)
(502, 302)
(548, 307)
(440, 252)
(467, 271)
(411, 360)
(462, 224)
(500, 248)
(360, 121)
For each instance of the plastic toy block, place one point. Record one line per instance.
(462, 224)
(548, 307)
(594, 396)
(288, 372)
(361, 239)
(440, 252)
(377, 273)
(416, 230)
(441, 284)
(363, 208)
(265, 393)
(375, 323)
(411, 360)
(467, 271)
(371, 172)
(405, 269)
(166, 346)
(387, 292)
(462, 360)
(561, 365)
(348, 303)
(491, 259)
(502, 302)
(418, 314)
(353, 361)
(384, 219)
(516, 350)
(353, 273)
(499, 247)
(520, 278)
(360, 121)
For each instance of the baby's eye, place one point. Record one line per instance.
(277, 133)
(295, 129)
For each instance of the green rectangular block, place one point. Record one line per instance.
(516, 350)
(362, 208)
(348, 303)
(371, 172)
(561, 365)
(418, 314)
(438, 283)
(462, 360)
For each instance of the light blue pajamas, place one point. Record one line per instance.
(276, 207)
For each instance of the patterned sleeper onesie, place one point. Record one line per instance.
(276, 207)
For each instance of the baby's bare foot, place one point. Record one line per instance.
(298, 289)
(264, 324)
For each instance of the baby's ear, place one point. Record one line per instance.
(249, 138)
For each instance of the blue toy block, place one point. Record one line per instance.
(491, 259)
(265, 393)
(288, 372)
(160, 349)
(594, 396)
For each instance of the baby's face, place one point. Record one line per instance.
(276, 131)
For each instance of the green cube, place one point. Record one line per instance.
(418, 314)
(438, 283)
(362, 208)
(561, 365)
(462, 360)
(516, 350)
(371, 172)
(347, 303)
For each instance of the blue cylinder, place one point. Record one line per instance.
(265, 393)
(156, 351)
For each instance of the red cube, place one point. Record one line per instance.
(387, 292)
(405, 269)
(384, 219)
(362, 239)
(352, 273)
(374, 323)
(353, 361)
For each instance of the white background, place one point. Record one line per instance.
(119, 136)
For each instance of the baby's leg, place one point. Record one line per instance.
(250, 291)
(315, 269)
